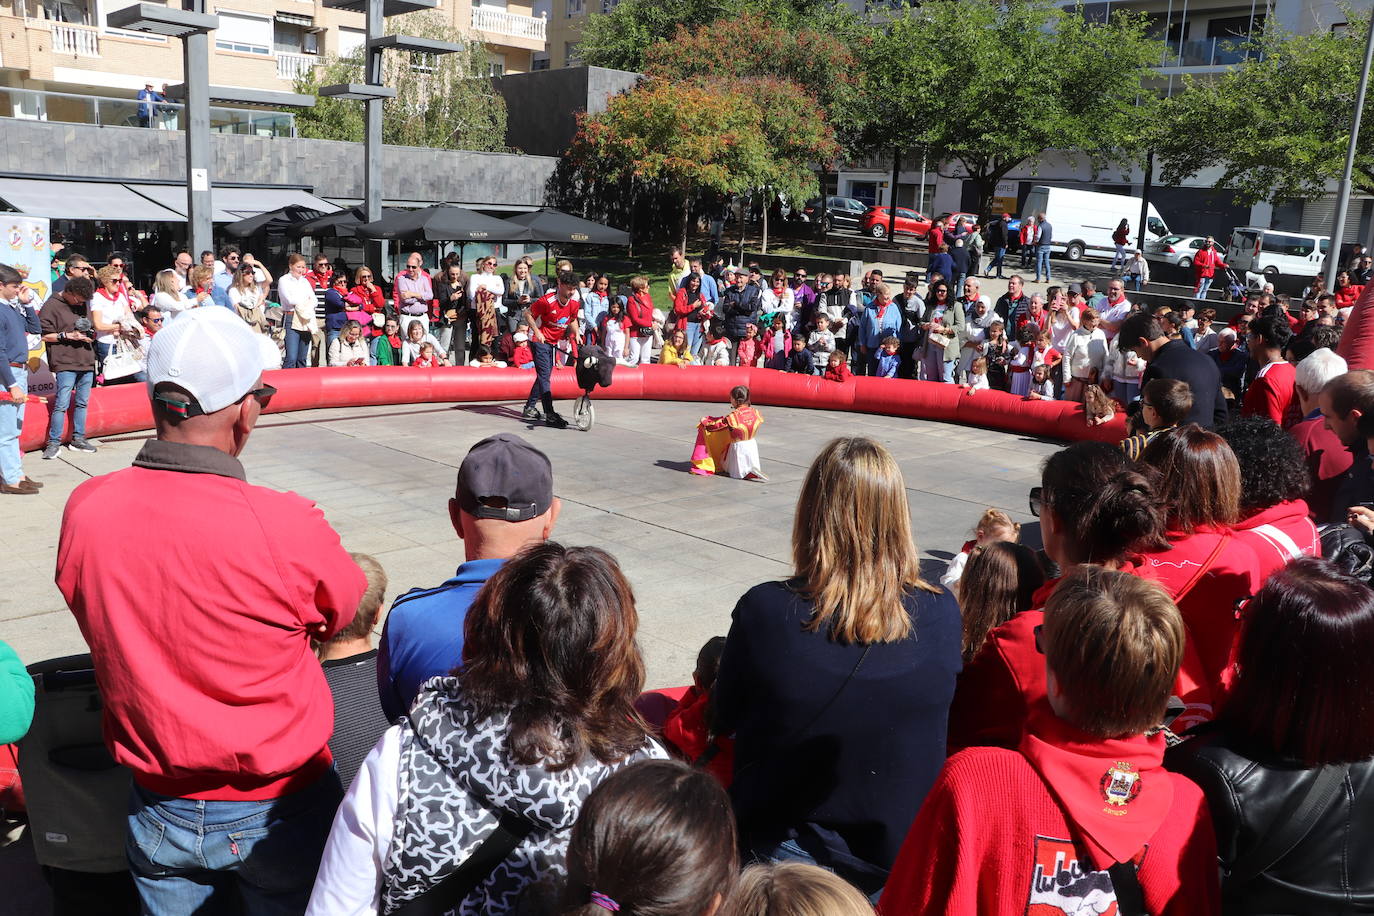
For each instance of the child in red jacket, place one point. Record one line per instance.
(1082, 815)
(838, 370)
(686, 727)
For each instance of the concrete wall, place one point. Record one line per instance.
(542, 107)
(332, 168)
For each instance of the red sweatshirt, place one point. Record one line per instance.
(1032, 831)
(1272, 393)
(639, 308)
(1279, 534)
(201, 636)
(1327, 460)
(686, 730)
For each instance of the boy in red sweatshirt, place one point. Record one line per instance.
(1082, 817)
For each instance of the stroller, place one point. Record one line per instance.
(1234, 287)
(593, 367)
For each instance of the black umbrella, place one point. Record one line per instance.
(340, 225)
(276, 221)
(556, 227)
(443, 223)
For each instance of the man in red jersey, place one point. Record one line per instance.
(552, 318)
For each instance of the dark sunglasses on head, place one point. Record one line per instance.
(187, 409)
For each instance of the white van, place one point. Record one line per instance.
(1274, 254)
(1083, 221)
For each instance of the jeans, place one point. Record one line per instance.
(453, 337)
(69, 384)
(541, 391)
(694, 337)
(997, 260)
(207, 857)
(1203, 285)
(329, 338)
(792, 851)
(1134, 280)
(297, 349)
(1042, 262)
(11, 423)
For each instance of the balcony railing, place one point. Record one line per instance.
(500, 22)
(291, 66)
(81, 40)
(1208, 52)
(71, 108)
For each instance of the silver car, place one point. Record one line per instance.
(1174, 249)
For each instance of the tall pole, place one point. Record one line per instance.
(1333, 255)
(372, 137)
(921, 197)
(1145, 198)
(195, 55)
(892, 196)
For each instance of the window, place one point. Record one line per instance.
(496, 64)
(539, 61)
(244, 34)
(351, 40)
(1292, 245)
(575, 7)
(295, 34)
(570, 55)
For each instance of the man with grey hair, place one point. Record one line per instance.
(1327, 459)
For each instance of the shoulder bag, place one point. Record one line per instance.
(446, 896)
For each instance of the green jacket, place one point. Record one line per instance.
(16, 696)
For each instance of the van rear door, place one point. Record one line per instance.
(1240, 254)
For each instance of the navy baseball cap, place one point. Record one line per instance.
(505, 477)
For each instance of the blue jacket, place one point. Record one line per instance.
(423, 635)
(873, 329)
(941, 264)
(885, 364)
(16, 323)
(740, 308)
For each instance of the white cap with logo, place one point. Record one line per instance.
(211, 353)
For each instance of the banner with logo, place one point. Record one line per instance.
(27, 250)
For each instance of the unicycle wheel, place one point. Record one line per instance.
(584, 414)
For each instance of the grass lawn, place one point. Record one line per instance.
(659, 288)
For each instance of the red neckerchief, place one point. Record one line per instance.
(882, 309)
(395, 341)
(1115, 792)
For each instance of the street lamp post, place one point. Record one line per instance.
(193, 26)
(1333, 254)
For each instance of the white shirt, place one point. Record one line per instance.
(492, 282)
(1086, 351)
(248, 297)
(111, 311)
(1114, 314)
(172, 306)
(409, 351)
(297, 295)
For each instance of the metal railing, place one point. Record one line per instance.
(292, 66)
(71, 108)
(81, 40)
(1209, 52)
(501, 22)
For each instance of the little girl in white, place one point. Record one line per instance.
(1041, 385)
(717, 350)
(821, 343)
(977, 377)
(995, 525)
(613, 331)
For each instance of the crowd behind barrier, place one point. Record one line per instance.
(1166, 710)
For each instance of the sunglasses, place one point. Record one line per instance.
(1037, 500)
(263, 394)
(187, 409)
(155, 321)
(119, 265)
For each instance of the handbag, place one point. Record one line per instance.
(122, 361)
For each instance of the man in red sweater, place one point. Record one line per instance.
(1205, 264)
(1082, 817)
(201, 647)
(1327, 458)
(1271, 393)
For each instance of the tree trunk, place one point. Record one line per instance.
(743, 226)
(763, 246)
(985, 185)
(686, 216)
(892, 197)
(630, 194)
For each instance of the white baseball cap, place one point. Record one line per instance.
(211, 353)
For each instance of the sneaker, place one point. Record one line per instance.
(531, 413)
(50, 450)
(556, 421)
(81, 445)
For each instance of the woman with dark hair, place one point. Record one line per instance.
(1205, 568)
(837, 681)
(1274, 517)
(544, 712)
(690, 309)
(998, 583)
(941, 325)
(1095, 509)
(1288, 766)
(654, 839)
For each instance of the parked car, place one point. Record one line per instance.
(908, 222)
(1271, 253)
(1179, 250)
(839, 212)
(1084, 221)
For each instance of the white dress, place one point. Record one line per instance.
(743, 459)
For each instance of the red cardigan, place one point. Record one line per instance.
(991, 840)
(682, 307)
(639, 308)
(1327, 460)
(1272, 394)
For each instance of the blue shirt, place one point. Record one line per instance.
(219, 291)
(709, 289)
(16, 323)
(423, 635)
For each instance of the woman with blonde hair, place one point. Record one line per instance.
(837, 681)
(793, 889)
(167, 294)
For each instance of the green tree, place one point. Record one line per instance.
(986, 86)
(621, 38)
(1277, 125)
(642, 143)
(442, 102)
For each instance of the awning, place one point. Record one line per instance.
(233, 204)
(85, 200)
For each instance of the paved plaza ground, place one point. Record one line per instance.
(690, 545)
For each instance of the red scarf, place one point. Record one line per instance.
(882, 309)
(394, 340)
(1115, 792)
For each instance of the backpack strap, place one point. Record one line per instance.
(1204, 568)
(446, 896)
(1291, 826)
(1130, 899)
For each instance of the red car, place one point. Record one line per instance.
(909, 222)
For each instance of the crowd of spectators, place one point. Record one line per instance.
(1165, 709)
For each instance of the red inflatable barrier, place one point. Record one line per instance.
(124, 408)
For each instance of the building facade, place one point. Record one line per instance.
(60, 60)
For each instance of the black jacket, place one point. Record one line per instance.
(534, 288)
(1177, 360)
(739, 308)
(997, 234)
(1330, 872)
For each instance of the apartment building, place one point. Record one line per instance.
(60, 60)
